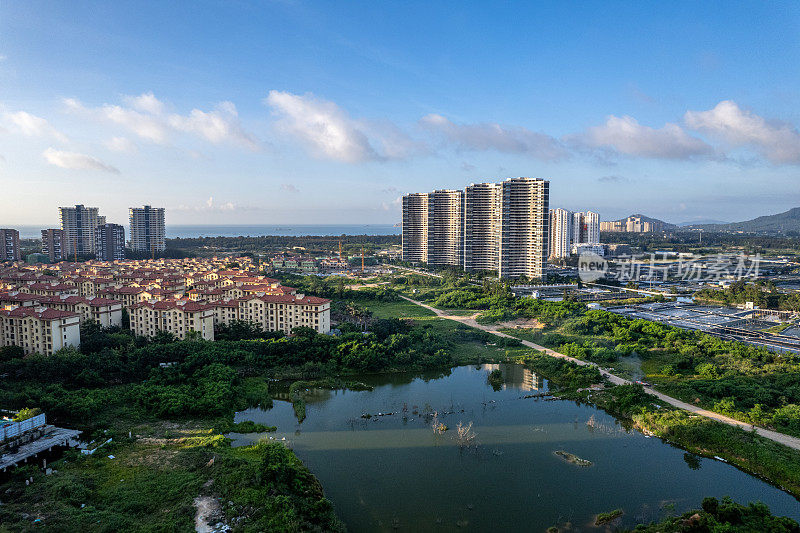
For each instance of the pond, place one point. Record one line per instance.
(392, 472)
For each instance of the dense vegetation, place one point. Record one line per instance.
(117, 385)
(724, 516)
(280, 243)
(713, 242)
(196, 378)
(763, 294)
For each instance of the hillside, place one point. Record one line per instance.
(779, 223)
(656, 222)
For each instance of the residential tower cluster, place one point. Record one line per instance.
(487, 226)
(84, 232)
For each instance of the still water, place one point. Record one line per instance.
(393, 473)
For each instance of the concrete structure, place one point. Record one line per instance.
(524, 225)
(482, 206)
(587, 247)
(9, 245)
(25, 440)
(561, 222)
(39, 329)
(148, 231)
(415, 228)
(109, 242)
(446, 228)
(54, 244)
(79, 223)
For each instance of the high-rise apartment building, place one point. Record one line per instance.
(568, 229)
(591, 222)
(9, 245)
(109, 242)
(79, 223)
(482, 205)
(54, 244)
(561, 222)
(148, 231)
(488, 226)
(446, 228)
(585, 227)
(415, 228)
(524, 224)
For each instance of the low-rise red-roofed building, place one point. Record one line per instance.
(39, 329)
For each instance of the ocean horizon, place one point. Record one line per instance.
(189, 231)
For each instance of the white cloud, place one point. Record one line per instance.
(144, 125)
(147, 119)
(777, 141)
(146, 102)
(121, 144)
(218, 126)
(76, 161)
(490, 136)
(627, 136)
(33, 126)
(209, 206)
(288, 187)
(327, 131)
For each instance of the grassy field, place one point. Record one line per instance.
(469, 344)
(400, 309)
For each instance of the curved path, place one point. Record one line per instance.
(787, 440)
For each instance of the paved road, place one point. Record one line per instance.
(786, 440)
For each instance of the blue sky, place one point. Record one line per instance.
(326, 112)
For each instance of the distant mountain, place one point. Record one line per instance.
(780, 223)
(704, 221)
(660, 225)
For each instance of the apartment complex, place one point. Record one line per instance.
(570, 229)
(39, 329)
(54, 244)
(109, 242)
(633, 224)
(9, 245)
(178, 296)
(179, 318)
(79, 224)
(148, 231)
(489, 226)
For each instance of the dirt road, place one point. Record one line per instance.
(786, 440)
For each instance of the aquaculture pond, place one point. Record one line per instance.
(385, 468)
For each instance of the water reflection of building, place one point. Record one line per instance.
(517, 377)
